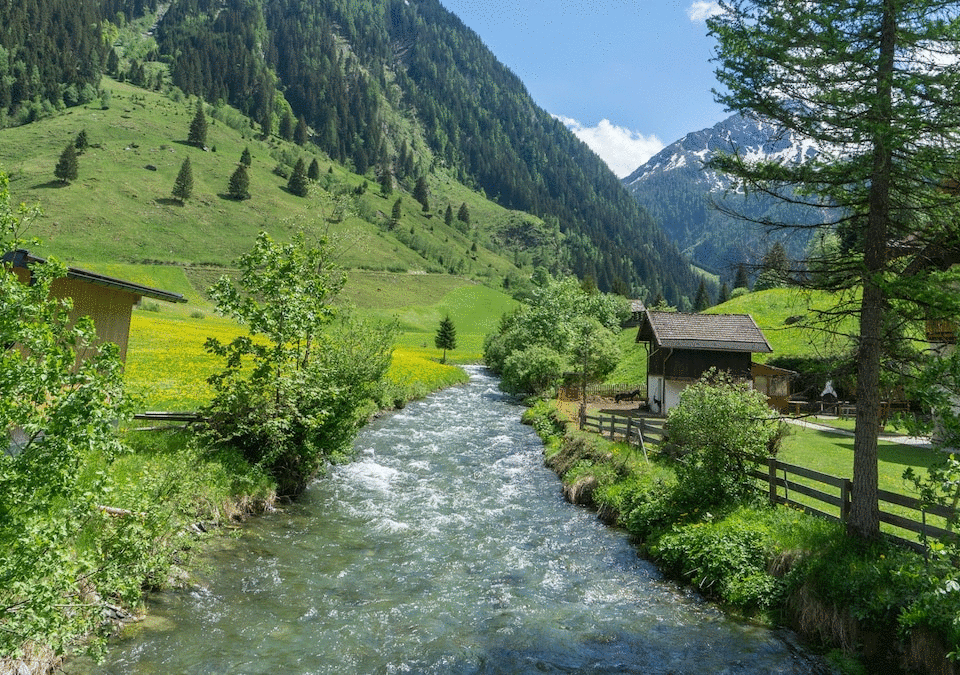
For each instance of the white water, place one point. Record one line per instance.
(445, 548)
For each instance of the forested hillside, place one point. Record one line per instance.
(384, 86)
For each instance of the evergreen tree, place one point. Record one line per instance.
(396, 213)
(245, 158)
(724, 293)
(81, 143)
(198, 127)
(420, 193)
(446, 337)
(286, 126)
(298, 183)
(742, 279)
(313, 173)
(448, 216)
(239, 187)
(386, 183)
(66, 168)
(702, 300)
(183, 185)
(113, 63)
(463, 215)
(875, 85)
(300, 132)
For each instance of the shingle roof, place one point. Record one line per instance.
(713, 332)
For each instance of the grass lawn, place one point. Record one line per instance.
(832, 453)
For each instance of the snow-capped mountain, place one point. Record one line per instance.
(679, 191)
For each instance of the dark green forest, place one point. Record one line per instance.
(370, 82)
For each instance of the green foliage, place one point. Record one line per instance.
(298, 183)
(562, 328)
(66, 168)
(446, 337)
(293, 392)
(239, 187)
(882, 176)
(60, 396)
(463, 214)
(420, 193)
(245, 157)
(81, 142)
(722, 429)
(198, 127)
(313, 172)
(726, 560)
(183, 185)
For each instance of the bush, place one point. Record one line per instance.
(294, 397)
(722, 429)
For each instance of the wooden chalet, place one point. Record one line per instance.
(106, 300)
(682, 347)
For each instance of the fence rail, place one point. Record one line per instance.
(783, 486)
(825, 496)
(637, 431)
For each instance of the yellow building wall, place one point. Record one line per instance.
(109, 308)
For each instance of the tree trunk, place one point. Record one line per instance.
(864, 519)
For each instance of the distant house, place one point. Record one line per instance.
(682, 347)
(108, 301)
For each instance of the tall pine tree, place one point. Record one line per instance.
(446, 338)
(239, 187)
(875, 84)
(298, 183)
(66, 169)
(183, 185)
(198, 127)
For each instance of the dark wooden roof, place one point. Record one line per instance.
(23, 259)
(708, 332)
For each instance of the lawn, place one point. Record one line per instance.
(832, 453)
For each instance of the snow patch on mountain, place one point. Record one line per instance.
(753, 139)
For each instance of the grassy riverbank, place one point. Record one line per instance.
(882, 604)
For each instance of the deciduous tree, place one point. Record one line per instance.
(875, 85)
(291, 394)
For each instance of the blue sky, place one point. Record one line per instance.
(627, 76)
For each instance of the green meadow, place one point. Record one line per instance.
(167, 366)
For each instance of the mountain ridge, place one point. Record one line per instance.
(385, 86)
(682, 194)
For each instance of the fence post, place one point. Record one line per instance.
(772, 478)
(845, 490)
(630, 430)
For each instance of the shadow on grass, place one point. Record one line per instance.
(51, 185)
(169, 201)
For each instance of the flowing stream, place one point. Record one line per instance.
(446, 547)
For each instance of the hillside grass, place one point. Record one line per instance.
(120, 208)
(771, 310)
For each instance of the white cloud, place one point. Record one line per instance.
(700, 11)
(622, 149)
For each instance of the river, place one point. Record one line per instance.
(445, 548)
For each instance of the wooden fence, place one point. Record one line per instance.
(829, 497)
(816, 493)
(636, 431)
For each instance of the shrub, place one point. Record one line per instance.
(723, 429)
(292, 393)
